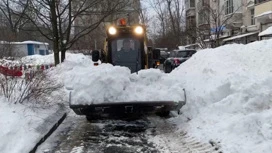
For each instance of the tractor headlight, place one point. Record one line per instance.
(112, 31)
(139, 30)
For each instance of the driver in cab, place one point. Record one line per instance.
(126, 46)
(126, 53)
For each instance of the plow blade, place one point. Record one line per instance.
(127, 109)
(117, 110)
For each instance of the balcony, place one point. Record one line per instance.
(263, 11)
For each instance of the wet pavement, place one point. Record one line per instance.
(81, 136)
(152, 135)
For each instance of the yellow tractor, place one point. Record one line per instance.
(126, 46)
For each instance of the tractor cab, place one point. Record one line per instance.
(125, 46)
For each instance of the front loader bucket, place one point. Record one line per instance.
(115, 110)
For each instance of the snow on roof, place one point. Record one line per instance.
(34, 42)
(24, 42)
(266, 32)
(240, 36)
(181, 47)
(263, 14)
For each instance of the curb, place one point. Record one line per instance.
(56, 125)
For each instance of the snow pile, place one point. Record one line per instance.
(229, 93)
(38, 59)
(21, 126)
(106, 83)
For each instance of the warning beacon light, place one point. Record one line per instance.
(123, 22)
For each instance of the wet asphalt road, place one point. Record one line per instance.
(77, 135)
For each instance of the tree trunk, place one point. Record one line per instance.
(63, 55)
(56, 54)
(56, 57)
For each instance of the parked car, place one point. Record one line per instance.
(164, 56)
(176, 58)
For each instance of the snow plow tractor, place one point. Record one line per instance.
(126, 46)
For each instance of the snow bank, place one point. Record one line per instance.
(41, 59)
(21, 126)
(229, 93)
(106, 83)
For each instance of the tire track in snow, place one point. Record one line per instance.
(168, 140)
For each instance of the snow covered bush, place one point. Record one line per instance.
(36, 89)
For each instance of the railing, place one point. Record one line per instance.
(25, 70)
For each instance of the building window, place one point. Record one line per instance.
(203, 17)
(192, 3)
(252, 17)
(228, 7)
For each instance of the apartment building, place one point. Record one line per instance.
(214, 19)
(257, 17)
(239, 21)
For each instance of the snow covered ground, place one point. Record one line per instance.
(229, 91)
(22, 126)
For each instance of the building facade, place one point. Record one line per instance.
(239, 21)
(190, 8)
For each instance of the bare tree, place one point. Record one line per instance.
(161, 14)
(55, 19)
(171, 19)
(176, 12)
(13, 14)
